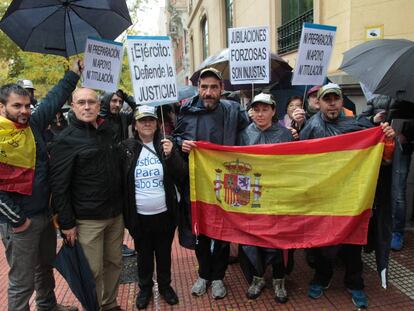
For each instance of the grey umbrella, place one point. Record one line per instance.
(61, 27)
(279, 69)
(383, 66)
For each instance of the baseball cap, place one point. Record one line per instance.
(211, 70)
(329, 88)
(263, 98)
(145, 111)
(25, 83)
(313, 90)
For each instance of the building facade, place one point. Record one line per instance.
(205, 24)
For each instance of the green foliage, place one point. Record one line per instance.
(46, 70)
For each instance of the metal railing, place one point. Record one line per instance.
(288, 35)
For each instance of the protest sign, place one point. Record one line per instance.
(249, 55)
(315, 49)
(103, 60)
(152, 69)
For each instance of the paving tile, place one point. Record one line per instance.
(184, 273)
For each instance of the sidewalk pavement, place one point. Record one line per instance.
(398, 296)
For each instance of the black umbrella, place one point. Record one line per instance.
(61, 27)
(73, 266)
(383, 66)
(279, 69)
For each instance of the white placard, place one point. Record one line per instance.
(152, 70)
(315, 49)
(249, 55)
(103, 61)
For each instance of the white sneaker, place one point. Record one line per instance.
(218, 290)
(200, 287)
(280, 290)
(255, 287)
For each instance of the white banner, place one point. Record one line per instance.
(249, 55)
(103, 63)
(315, 49)
(152, 70)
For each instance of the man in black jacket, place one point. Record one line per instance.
(26, 228)
(111, 105)
(86, 185)
(209, 118)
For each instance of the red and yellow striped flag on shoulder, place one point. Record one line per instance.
(290, 195)
(17, 157)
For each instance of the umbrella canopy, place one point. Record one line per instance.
(186, 91)
(73, 266)
(383, 66)
(61, 27)
(279, 68)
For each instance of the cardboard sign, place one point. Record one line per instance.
(315, 49)
(152, 70)
(249, 55)
(103, 63)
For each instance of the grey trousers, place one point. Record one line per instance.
(30, 256)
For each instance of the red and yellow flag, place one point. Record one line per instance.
(17, 157)
(291, 195)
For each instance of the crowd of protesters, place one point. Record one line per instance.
(108, 170)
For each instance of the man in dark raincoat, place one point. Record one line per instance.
(331, 121)
(209, 118)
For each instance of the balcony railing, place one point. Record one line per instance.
(289, 33)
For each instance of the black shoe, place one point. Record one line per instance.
(169, 295)
(143, 299)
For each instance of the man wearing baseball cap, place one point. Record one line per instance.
(207, 117)
(330, 121)
(28, 85)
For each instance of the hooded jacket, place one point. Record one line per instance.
(118, 122)
(252, 135)
(85, 173)
(14, 207)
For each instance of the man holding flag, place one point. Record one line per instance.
(329, 121)
(26, 227)
(207, 117)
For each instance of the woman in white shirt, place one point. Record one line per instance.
(151, 165)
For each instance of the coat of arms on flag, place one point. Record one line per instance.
(237, 184)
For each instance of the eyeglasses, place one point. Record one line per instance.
(90, 102)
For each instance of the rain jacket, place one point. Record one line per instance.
(85, 173)
(252, 135)
(396, 109)
(118, 122)
(317, 127)
(190, 116)
(14, 207)
(187, 123)
(175, 169)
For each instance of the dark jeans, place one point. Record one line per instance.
(30, 256)
(400, 169)
(351, 257)
(212, 256)
(154, 238)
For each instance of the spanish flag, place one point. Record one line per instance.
(17, 157)
(290, 195)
